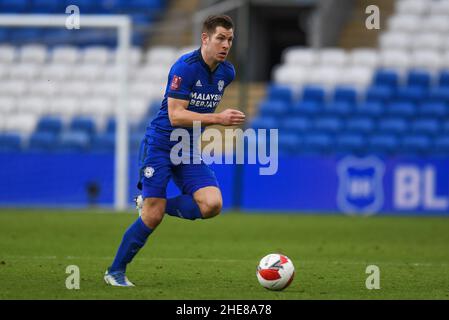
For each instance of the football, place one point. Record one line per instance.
(275, 271)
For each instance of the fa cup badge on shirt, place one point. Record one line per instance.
(175, 83)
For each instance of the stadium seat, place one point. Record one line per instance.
(401, 109)
(426, 59)
(42, 141)
(410, 95)
(419, 78)
(386, 78)
(340, 108)
(270, 108)
(49, 124)
(383, 144)
(289, 143)
(360, 125)
(296, 124)
(265, 123)
(10, 142)
(313, 94)
(395, 40)
(395, 59)
(404, 23)
(415, 144)
(317, 143)
(416, 7)
(307, 108)
(300, 56)
(73, 141)
(443, 78)
(8, 54)
(335, 57)
(13, 6)
(438, 94)
(433, 109)
(441, 145)
(280, 93)
(328, 125)
(370, 109)
(83, 124)
(392, 125)
(428, 126)
(379, 94)
(345, 94)
(365, 57)
(352, 143)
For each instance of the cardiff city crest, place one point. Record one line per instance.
(360, 187)
(220, 85)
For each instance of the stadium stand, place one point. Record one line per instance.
(392, 99)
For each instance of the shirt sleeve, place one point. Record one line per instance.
(180, 81)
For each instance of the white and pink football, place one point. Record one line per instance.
(275, 271)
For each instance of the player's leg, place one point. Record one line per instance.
(155, 177)
(200, 198)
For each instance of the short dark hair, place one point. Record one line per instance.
(212, 22)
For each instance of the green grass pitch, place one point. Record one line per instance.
(217, 258)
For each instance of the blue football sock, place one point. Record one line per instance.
(133, 239)
(183, 206)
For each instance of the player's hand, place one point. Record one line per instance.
(231, 117)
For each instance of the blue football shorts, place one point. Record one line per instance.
(156, 169)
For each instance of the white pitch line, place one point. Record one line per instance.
(379, 263)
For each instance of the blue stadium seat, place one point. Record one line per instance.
(48, 6)
(296, 124)
(307, 108)
(370, 109)
(345, 94)
(419, 78)
(86, 6)
(73, 141)
(445, 127)
(410, 94)
(135, 138)
(361, 125)
(441, 145)
(353, 143)
(111, 125)
(269, 108)
(339, 108)
(317, 143)
(313, 94)
(50, 124)
(415, 144)
(265, 123)
(386, 77)
(426, 126)
(289, 143)
(443, 78)
(379, 94)
(433, 109)
(10, 142)
(104, 142)
(280, 93)
(83, 124)
(392, 125)
(438, 94)
(383, 143)
(42, 141)
(13, 6)
(401, 109)
(328, 125)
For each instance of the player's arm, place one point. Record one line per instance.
(181, 117)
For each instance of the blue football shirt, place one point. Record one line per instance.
(191, 79)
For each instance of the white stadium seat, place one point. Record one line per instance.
(33, 53)
(65, 55)
(138, 108)
(417, 7)
(33, 105)
(428, 59)
(290, 75)
(357, 75)
(324, 75)
(395, 40)
(87, 72)
(97, 55)
(75, 88)
(428, 40)
(43, 88)
(395, 59)
(332, 57)
(440, 7)
(142, 90)
(24, 123)
(65, 106)
(24, 71)
(8, 104)
(300, 56)
(405, 23)
(436, 23)
(162, 55)
(56, 72)
(8, 54)
(106, 89)
(98, 107)
(153, 73)
(364, 57)
(14, 87)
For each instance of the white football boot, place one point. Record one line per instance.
(117, 279)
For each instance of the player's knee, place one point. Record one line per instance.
(153, 212)
(210, 207)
